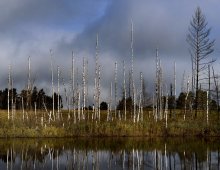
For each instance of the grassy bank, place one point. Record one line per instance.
(33, 126)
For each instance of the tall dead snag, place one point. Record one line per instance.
(174, 88)
(97, 82)
(58, 92)
(73, 87)
(166, 107)
(200, 47)
(84, 87)
(132, 72)
(140, 105)
(12, 98)
(87, 85)
(77, 94)
(158, 88)
(142, 96)
(9, 89)
(66, 96)
(99, 91)
(207, 107)
(124, 91)
(29, 84)
(116, 88)
(216, 90)
(186, 98)
(109, 114)
(52, 79)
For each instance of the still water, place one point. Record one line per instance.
(110, 153)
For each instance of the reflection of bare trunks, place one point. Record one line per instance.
(109, 153)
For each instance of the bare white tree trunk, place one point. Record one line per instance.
(22, 103)
(79, 114)
(95, 99)
(87, 86)
(161, 91)
(29, 84)
(186, 98)
(66, 97)
(158, 88)
(99, 90)
(84, 88)
(12, 99)
(52, 81)
(110, 104)
(132, 71)
(116, 88)
(153, 106)
(207, 108)
(125, 93)
(96, 80)
(141, 97)
(134, 102)
(73, 87)
(166, 107)
(77, 94)
(216, 89)
(35, 110)
(58, 93)
(9, 88)
(174, 88)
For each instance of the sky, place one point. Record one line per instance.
(32, 28)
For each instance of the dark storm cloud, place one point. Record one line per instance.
(56, 13)
(32, 28)
(156, 24)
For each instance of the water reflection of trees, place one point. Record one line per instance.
(110, 153)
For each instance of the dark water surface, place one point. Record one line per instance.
(110, 153)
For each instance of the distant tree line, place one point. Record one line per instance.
(28, 99)
(182, 102)
(194, 103)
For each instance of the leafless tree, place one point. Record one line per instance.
(200, 49)
(52, 79)
(216, 89)
(9, 88)
(116, 88)
(124, 90)
(58, 92)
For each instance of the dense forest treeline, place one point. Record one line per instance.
(183, 101)
(28, 99)
(42, 101)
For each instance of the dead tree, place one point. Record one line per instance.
(116, 88)
(97, 81)
(174, 88)
(110, 104)
(200, 49)
(73, 87)
(158, 88)
(216, 89)
(52, 79)
(186, 98)
(132, 71)
(9, 88)
(87, 85)
(140, 112)
(84, 87)
(99, 91)
(124, 90)
(58, 92)
(29, 84)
